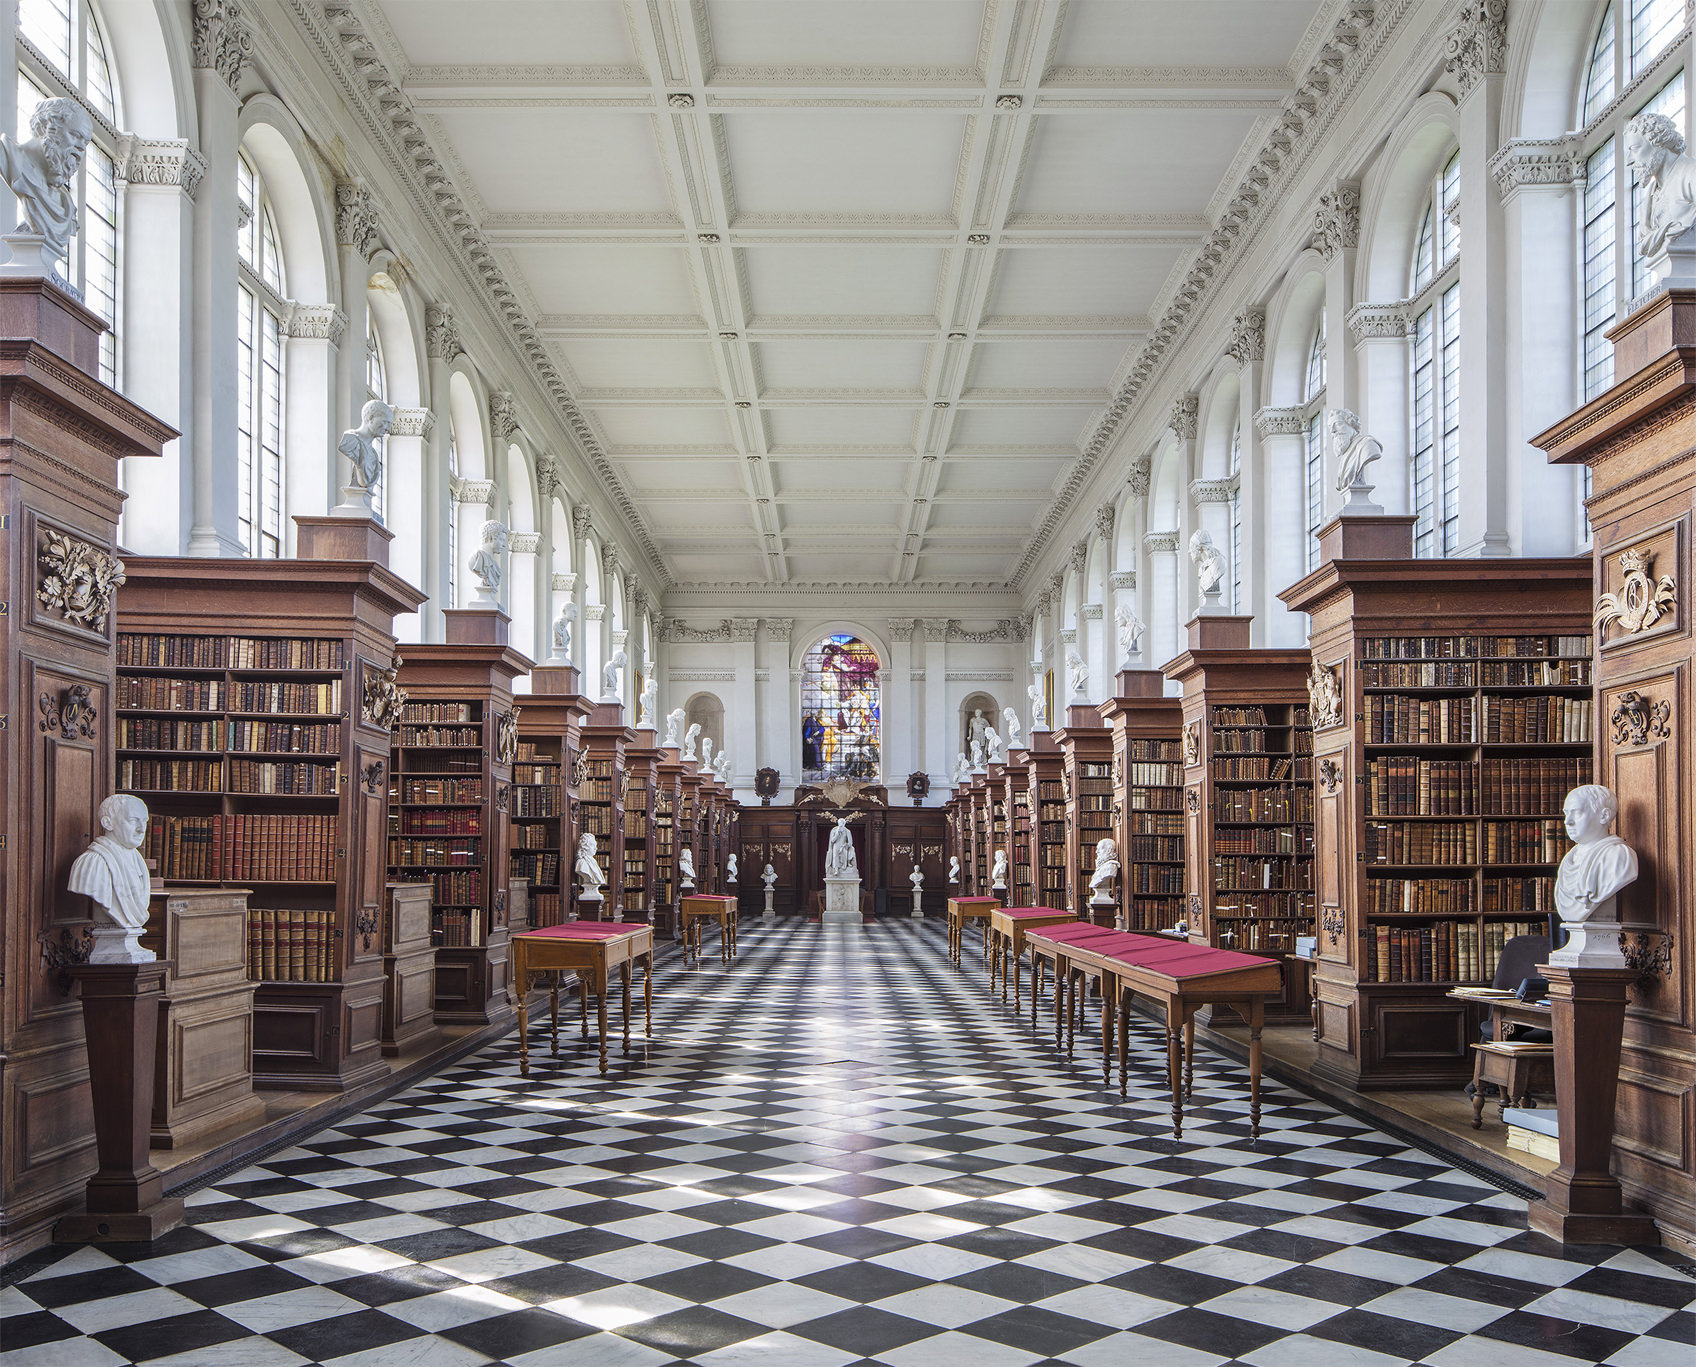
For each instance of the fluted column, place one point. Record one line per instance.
(900, 718)
(441, 345)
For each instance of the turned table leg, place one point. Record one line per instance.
(1257, 1018)
(523, 1030)
(1174, 1068)
(601, 1014)
(624, 975)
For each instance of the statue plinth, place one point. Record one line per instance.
(842, 899)
(115, 944)
(770, 912)
(356, 503)
(343, 536)
(918, 909)
(30, 257)
(477, 626)
(1594, 941)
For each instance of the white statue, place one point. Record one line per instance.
(686, 868)
(976, 726)
(564, 624)
(769, 878)
(1077, 674)
(376, 420)
(995, 754)
(486, 563)
(1209, 562)
(917, 879)
(589, 873)
(1039, 701)
(953, 868)
(978, 756)
(609, 675)
(730, 868)
(689, 738)
(1010, 720)
(998, 872)
(839, 859)
(645, 703)
(706, 754)
(43, 172)
(1596, 867)
(722, 768)
(962, 770)
(1130, 632)
(1655, 150)
(1106, 870)
(1351, 452)
(112, 874)
(673, 720)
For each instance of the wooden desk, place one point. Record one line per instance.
(1181, 978)
(1514, 1071)
(1007, 927)
(963, 909)
(698, 908)
(591, 950)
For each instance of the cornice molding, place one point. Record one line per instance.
(563, 583)
(524, 543)
(1537, 163)
(476, 492)
(1090, 612)
(1213, 490)
(1123, 581)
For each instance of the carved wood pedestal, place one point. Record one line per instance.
(1581, 1201)
(125, 1199)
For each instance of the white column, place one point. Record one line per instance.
(741, 722)
(1093, 647)
(1380, 333)
(1248, 349)
(211, 431)
(940, 742)
(562, 591)
(405, 457)
(594, 643)
(900, 716)
(1281, 432)
(1165, 630)
(523, 567)
(1185, 411)
(317, 335)
(356, 240)
(441, 345)
(161, 181)
(776, 736)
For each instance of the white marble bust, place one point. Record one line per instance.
(769, 878)
(673, 721)
(1106, 870)
(485, 563)
(916, 878)
(998, 872)
(364, 456)
(1351, 452)
(706, 754)
(1594, 870)
(962, 770)
(994, 738)
(43, 173)
(953, 868)
(1010, 720)
(1039, 703)
(609, 676)
(690, 737)
(1130, 631)
(563, 626)
(686, 868)
(588, 868)
(1077, 674)
(1666, 174)
(730, 868)
(113, 875)
(1209, 562)
(645, 703)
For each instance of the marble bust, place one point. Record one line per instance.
(769, 878)
(1039, 703)
(953, 868)
(563, 626)
(707, 754)
(730, 868)
(839, 858)
(1597, 866)
(994, 738)
(43, 172)
(365, 457)
(1077, 674)
(1666, 174)
(916, 878)
(673, 720)
(112, 874)
(589, 869)
(486, 562)
(978, 756)
(1130, 631)
(645, 703)
(962, 770)
(1209, 562)
(689, 738)
(686, 868)
(1106, 870)
(998, 872)
(609, 676)
(1351, 452)
(1010, 720)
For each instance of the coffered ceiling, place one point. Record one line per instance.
(844, 286)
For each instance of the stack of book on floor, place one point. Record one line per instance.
(1534, 1132)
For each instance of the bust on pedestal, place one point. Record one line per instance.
(112, 874)
(998, 873)
(1596, 867)
(1106, 870)
(841, 876)
(686, 869)
(591, 878)
(769, 878)
(917, 879)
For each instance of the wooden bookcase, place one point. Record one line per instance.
(667, 813)
(1148, 776)
(1045, 769)
(598, 778)
(689, 781)
(1000, 827)
(452, 767)
(1021, 888)
(263, 768)
(1453, 705)
(550, 724)
(1638, 440)
(639, 782)
(1086, 754)
(1248, 799)
(983, 857)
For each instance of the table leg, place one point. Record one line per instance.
(648, 994)
(986, 937)
(1036, 977)
(1072, 976)
(1018, 1005)
(1174, 1063)
(1062, 971)
(1189, 1055)
(624, 974)
(1122, 1010)
(1107, 1024)
(523, 1030)
(583, 1004)
(553, 1013)
(601, 1014)
(1257, 1018)
(1477, 1090)
(726, 933)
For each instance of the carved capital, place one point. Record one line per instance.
(1554, 163)
(744, 628)
(594, 612)
(1248, 336)
(317, 322)
(523, 543)
(1160, 543)
(1090, 612)
(1336, 220)
(610, 560)
(1213, 490)
(1477, 46)
(441, 337)
(503, 414)
(1078, 556)
(1184, 410)
(413, 422)
(1069, 636)
(638, 600)
(1138, 475)
(547, 476)
(581, 521)
(161, 161)
(1279, 422)
(1376, 321)
(221, 40)
(779, 628)
(564, 583)
(356, 218)
(1104, 517)
(901, 628)
(1124, 581)
(476, 492)
(1044, 602)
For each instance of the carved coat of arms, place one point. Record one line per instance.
(77, 579)
(1642, 600)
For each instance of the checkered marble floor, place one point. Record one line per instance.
(843, 1150)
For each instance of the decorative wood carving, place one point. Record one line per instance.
(1649, 959)
(1192, 745)
(383, 696)
(1325, 695)
(1636, 719)
(72, 712)
(77, 579)
(506, 736)
(1330, 774)
(1642, 600)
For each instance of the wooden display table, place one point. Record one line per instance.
(699, 908)
(1007, 927)
(1181, 977)
(591, 950)
(963, 909)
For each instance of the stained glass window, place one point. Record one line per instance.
(840, 716)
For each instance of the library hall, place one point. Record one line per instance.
(848, 683)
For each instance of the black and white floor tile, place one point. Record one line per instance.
(842, 1150)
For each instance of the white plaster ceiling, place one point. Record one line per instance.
(844, 285)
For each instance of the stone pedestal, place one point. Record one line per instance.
(770, 912)
(842, 900)
(918, 910)
(1581, 1200)
(125, 1200)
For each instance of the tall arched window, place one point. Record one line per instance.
(453, 518)
(841, 718)
(376, 387)
(1631, 38)
(1313, 465)
(260, 308)
(1434, 359)
(62, 54)
(1237, 515)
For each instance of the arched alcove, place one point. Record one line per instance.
(970, 705)
(706, 710)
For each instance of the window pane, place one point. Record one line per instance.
(271, 450)
(97, 73)
(1423, 436)
(1668, 100)
(1599, 75)
(247, 192)
(1316, 362)
(245, 449)
(100, 251)
(1448, 192)
(272, 274)
(1449, 313)
(1315, 476)
(1653, 23)
(840, 713)
(1598, 269)
(47, 25)
(1424, 255)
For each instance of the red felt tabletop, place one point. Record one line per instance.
(585, 930)
(1021, 913)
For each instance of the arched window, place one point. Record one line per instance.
(1313, 402)
(841, 735)
(376, 387)
(1237, 514)
(1434, 367)
(260, 309)
(453, 518)
(1632, 36)
(62, 54)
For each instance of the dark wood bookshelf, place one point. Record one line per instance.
(1148, 778)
